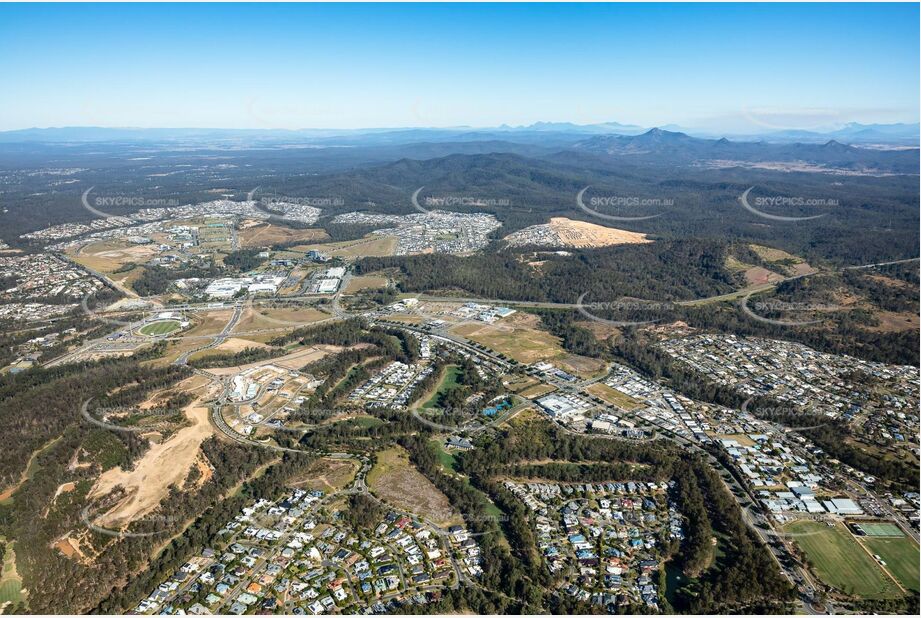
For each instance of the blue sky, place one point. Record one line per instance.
(726, 66)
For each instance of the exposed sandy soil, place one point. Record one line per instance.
(294, 360)
(204, 470)
(758, 275)
(231, 345)
(584, 234)
(163, 465)
(160, 397)
(64, 488)
(70, 547)
(572, 233)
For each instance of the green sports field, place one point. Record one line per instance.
(10, 582)
(163, 327)
(881, 528)
(900, 556)
(448, 381)
(840, 561)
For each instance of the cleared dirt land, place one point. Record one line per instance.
(209, 323)
(517, 336)
(162, 466)
(584, 234)
(895, 322)
(394, 479)
(233, 345)
(365, 282)
(328, 475)
(570, 233)
(270, 234)
(584, 366)
(614, 396)
(758, 275)
(538, 390)
(373, 245)
(259, 318)
(602, 332)
(787, 262)
(109, 255)
(294, 360)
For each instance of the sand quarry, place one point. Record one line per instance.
(563, 232)
(162, 466)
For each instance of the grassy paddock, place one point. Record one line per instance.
(840, 561)
(900, 556)
(448, 381)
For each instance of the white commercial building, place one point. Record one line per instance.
(327, 286)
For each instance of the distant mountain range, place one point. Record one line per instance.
(551, 134)
(673, 148)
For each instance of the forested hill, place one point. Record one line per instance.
(666, 270)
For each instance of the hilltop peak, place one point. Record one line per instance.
(659, 134)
